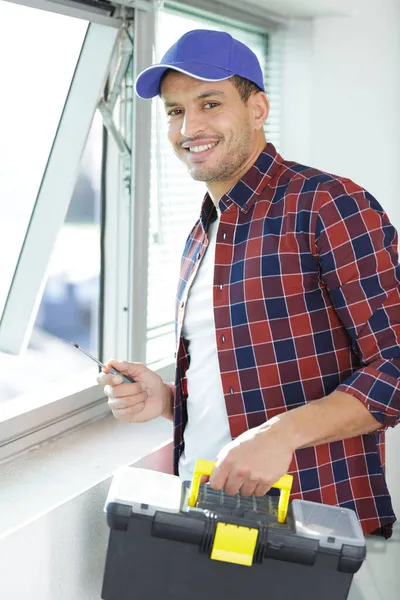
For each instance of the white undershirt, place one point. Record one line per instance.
(207, 430)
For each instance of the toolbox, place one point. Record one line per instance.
(180, 540)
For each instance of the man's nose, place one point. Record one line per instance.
(193, 123)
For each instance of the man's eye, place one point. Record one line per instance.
(174, 112)
(211, 105)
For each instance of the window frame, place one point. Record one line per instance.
(235, 12)
(74, 9)
(126, 226)
(58, 181)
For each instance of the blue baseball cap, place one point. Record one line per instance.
(206, 55)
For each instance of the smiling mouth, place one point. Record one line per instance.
(202, 148)
(201, 152)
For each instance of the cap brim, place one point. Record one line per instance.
(148, 83)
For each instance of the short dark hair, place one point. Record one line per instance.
(163, 76)
(245, 87)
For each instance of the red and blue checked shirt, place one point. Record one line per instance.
(306, 301)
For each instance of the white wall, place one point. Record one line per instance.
(59, 556)
(357, 92)
(297, 95)
(342, 90)
(53, 531)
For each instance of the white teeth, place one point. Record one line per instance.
(202, 148)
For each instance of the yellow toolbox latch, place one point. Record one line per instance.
(234, 544)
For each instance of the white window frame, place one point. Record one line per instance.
(251, 16)
(58, 182)
(127, 219)
(74, 9)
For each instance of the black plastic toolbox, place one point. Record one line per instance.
(224, 547)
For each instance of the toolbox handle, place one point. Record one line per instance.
(206, 467)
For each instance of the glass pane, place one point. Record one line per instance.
(175, 198)
(69, 309)
(39, 51)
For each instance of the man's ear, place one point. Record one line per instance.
(260, 106)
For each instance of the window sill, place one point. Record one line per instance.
(49, 393)
(36, 417)
(47, 476)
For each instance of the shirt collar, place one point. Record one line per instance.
(245, 192)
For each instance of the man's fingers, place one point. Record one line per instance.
(235, 480)
(127, 401)
(218, 476)
(122, 365)
(123, 390)
(124, 414)
(108, 379)
(128, 368)
(261, 489)
(134, 370)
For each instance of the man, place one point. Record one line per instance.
(288, 305)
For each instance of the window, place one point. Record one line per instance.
(50, 173)
(175, 199)
(69, 308)
(35, 84)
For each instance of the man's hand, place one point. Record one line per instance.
(147, 398)
(254, 461)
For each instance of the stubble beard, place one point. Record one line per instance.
(232, 162)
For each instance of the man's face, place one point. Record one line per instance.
(209, 126)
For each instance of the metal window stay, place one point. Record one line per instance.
(120, 89)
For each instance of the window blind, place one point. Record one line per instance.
(175, 199)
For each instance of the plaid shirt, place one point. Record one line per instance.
(306, 301)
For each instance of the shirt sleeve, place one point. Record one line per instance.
(357, 251)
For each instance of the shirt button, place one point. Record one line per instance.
(231, 390)
(221, 287)
(224, 235)
(223, 338)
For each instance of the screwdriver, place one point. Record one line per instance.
(106, 368)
